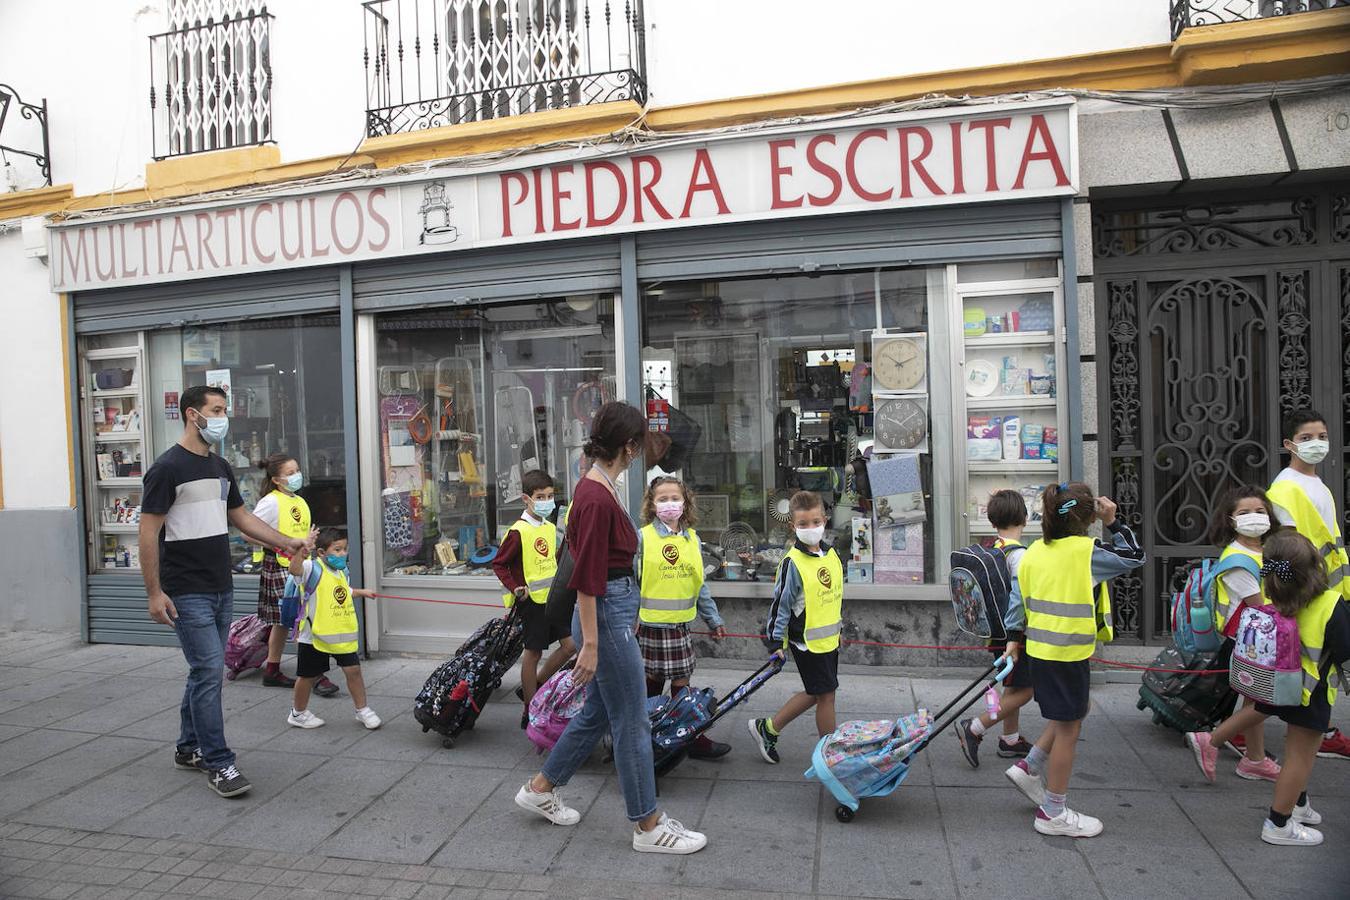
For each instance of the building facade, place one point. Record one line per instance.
(1107, 244)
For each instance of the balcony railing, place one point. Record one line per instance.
(443, 62)
(13, 112)
(211, 86)
(1189, 13)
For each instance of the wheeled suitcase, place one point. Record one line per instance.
(455, 694)
(1187, 700)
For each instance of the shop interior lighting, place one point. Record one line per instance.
(530, 334)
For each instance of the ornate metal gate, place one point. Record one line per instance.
(1215, 316)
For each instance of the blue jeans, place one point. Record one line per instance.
(617, 703)
(203, 626)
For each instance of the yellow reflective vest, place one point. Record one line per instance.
(1312, 631)
(822, 579)
(538, 559)
(1309, 523)
(1223, 604)
(329, 622)
(293, 520)
(1064, 620)
(672, 575)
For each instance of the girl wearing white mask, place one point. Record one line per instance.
(1242, 519)
(673, 593)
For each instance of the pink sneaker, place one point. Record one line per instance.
(1265, 770)
(1206, 754)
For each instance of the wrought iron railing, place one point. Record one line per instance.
(430, 63)
(211, 85)
(10, 102)
(1188, 13)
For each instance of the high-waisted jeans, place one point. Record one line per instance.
(617, 704)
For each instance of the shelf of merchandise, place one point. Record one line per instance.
(117, 437)
(1017, 466)
(1011, 339)
(124, 482)
(1015, 401)
(119, 528)
(108, 537)
(131, 390)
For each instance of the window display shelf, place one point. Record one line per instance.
(984, 529)
(1016, 401)
(1028, 466)
(123, 528)
(108, 437)
(132, 481)
(1012, 339)
(129, 391)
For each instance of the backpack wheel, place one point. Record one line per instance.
(448, 742)
(843, 813)
(426, 728)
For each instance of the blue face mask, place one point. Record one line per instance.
(213, 431)
(336, 562)
(544, 508)
(295, 481)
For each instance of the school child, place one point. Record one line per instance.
(1008, 514)
(806, 618)
(328, 628)
(672, 590)
(1293, 580)
(525, 564)
(1303, 501)
(1243, 518)
(286, 511)
(1060, 602)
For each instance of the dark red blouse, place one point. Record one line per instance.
(600, 535)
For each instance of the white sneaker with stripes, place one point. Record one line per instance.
(668, 836)
(547, 804)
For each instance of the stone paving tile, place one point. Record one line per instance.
(63, 771)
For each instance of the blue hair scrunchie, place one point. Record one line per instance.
(1282, 569)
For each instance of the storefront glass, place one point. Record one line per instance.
(468, 401)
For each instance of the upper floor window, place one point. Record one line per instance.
(211, 77)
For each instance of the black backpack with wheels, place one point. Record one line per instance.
(456, 692)
(1186, 699)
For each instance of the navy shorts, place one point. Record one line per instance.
(1061, 688)
(819, 671)
(540, 633)
(311, 663)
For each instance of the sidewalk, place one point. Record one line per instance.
(91, 806)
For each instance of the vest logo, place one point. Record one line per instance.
(823, 576)
(670, 553)
(340, 594)
(295, 514)
(541, 546)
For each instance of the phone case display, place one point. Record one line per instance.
(114, 402)
(1012, 412)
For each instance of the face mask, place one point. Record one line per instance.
(544, 508)
(213, 431)
(1252, 524)
(669, 511)
(295, 481)
(811, 536)
(336, 562)
(1312, 452)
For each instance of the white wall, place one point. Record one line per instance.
(33, 445)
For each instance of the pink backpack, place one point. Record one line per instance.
(556, 702)
(246, 647)
(1267, 664)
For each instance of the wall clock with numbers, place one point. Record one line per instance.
(900, 424)
(900, 363)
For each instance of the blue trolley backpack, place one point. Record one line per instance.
(980, 585)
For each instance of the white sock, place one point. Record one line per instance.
(297, 712)
(364, 709)
(1012, 737)
(976, 727)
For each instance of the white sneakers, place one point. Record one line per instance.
(304, 719)
(1306, 815)
(1293, 834)
(1068, 824)
(1030, 785)
(668, 836)
(366, 716)
(547, 804)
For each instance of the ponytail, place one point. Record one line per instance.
(271, 467)
(1067, 510)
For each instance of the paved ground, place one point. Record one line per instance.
(91, 806)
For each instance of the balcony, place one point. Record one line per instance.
(23, 140)
(431, 63)
(211, 85)
(1192, 13)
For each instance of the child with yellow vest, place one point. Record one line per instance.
(1295, 582)
(1060, 602)
(525, 564)
(1243, 518)
(807, 616)
(1304, 502)
(671, 593)
(328, 628)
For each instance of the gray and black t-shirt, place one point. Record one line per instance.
(193, 494)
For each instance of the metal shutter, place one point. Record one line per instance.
(116, 609)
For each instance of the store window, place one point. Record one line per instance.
(468, 401)
(766, 386)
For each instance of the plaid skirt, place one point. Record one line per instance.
(667, 652)
(271, 584)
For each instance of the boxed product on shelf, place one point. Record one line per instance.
(1050, 452)
(1012, 437)
(859, 573)
(984, 449)
(1050, 435)
(1041, 385)
(1032, 433)
(1031, 493)
(1032, 450)
(983, 426)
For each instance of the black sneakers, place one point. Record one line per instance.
(228, 782)
(765, 743)
(1019, 748)
(325, 688)
(191, 760)
(970, 742)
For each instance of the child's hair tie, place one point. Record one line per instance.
(1063, 486)
(1282, 569)
(1067, 505)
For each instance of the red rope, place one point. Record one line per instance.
(856, 643)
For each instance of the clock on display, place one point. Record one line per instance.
(899, 364)
(900, 424)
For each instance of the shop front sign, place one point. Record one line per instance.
(972, 154)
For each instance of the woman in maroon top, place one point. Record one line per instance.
(603, 542)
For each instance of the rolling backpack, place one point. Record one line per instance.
(555, 704)
(1267, 660)
(980, 585)
(246, 645)
(1193, 623)
(676, 720)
